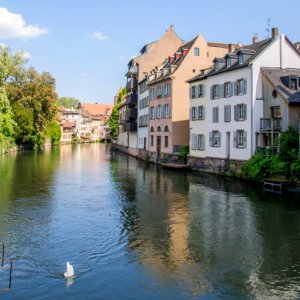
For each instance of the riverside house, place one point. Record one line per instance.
(237, 101)
(168, 94)
(151, 55)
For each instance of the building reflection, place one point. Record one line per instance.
(200, 231)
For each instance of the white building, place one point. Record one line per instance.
(143, 115)
(234, 97)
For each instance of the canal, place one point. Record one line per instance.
(134, 231)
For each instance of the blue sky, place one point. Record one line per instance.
(85, 45)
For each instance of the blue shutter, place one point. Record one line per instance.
(235, 88)
(245, 86)
(245, 139)
(231, 89)
(222, 91)
(234, 139)
(211, 92)
(235, 113)
(245, 111)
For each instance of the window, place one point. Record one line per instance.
(293, 84)
(201, 113)
(215, 116)
(166, 141)
(167, 110)
(228, 89)
(194, 113)
(158, 91)
(193, 92)
(240, 112)
(215, 92)
(194, 142)
(166, 129)
(196, 52)
(152, 129)
(227, 113)
(167, 89)
(158, 112)
(240, 139)
(241, 87)
(151, 140)
(152, 112)
(201, 90)
(241, 59)
(200, 141)
(228, 63)
(215, 139)
(158, 129)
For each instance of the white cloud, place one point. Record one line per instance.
(98, 35)
(13, 26)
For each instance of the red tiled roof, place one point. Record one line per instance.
(68, 124)
(98, 109)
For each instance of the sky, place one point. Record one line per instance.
(86, 45)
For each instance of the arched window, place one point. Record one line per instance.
(166, 128)
(158, 129)
(152, 129)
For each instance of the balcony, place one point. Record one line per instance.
(132, 85)
(131, 113)
(268, 124)
(131, 126)
(131, 99)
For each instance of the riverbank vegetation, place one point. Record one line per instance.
(28, 103)
(113, 122)
(283, 164)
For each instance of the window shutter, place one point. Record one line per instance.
(203, 112)
(245, 111)
(211, 92)
(231, 89)
(235, 88)
(245, 139)
(203, 141)
(203, 90)
(234, 139)
(210, 139)
(190, 93)
(245, 86)
(190, 113)
(219, 139)
(235, 113)
(222, 90)
(218, 91)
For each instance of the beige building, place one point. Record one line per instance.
(169, 93)
(151, 55)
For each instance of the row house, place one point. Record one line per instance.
(231, 105)
(168, 94)
(150, 56)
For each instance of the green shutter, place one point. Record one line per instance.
(245, 111)
(210, 139)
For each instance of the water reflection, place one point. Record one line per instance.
(204, 233)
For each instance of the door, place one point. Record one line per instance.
(158, 145)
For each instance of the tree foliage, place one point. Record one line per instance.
(68, 102)
(53, 132)
(113, 122)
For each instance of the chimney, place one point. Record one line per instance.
(171, 59)
(177, 55)
(231, 48)
(274, 32)
(185, 51)
(255, 39)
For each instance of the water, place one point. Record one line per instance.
(134, 231)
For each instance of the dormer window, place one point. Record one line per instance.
(241, 58)
(196, 52)
(293, 83)
(217, 66)
(228, 63)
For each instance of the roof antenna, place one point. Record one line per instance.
(268, 30)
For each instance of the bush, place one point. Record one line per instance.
(182, 156)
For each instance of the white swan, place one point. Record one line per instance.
(70, 271)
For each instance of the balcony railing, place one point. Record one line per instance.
(132, 85)
(131, 99)
(131, 126)
(131, 113)
(268, 124)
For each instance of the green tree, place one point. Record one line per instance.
(68, 102)
(113, 122)
(53, 132)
